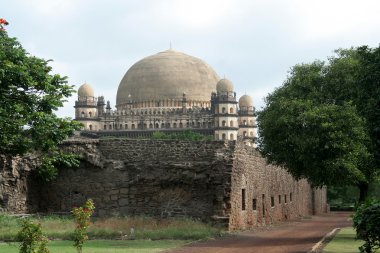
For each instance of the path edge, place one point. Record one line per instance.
(318, 247)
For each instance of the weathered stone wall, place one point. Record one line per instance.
(164, 178)
(152, 177)
(277, 195)
(16, 192)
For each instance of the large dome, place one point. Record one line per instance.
(167, 75)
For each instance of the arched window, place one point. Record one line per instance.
(224, 123)
(145, 126)
(231, 136)
(157, 125)
(231, 123)
(121, 126)
(90, 114)
(168, 125)
(199, 124)
(162, 125)
(223, 136)
(180, 125)
(105, 127)
(187, 124)
(251, 133)
(174, 125)
(231, 110)
(82, 114)
(110, 127)
(245, 133)
(90, 126)
(251, 122)
(150, 125)
(223, 110)
(244, 122)
(133, 126)
(126, 126)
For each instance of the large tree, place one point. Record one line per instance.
(323, 122)
(29, 96)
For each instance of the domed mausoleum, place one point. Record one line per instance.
(169, 91)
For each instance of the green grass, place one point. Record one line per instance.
(56, 227)
(104, 246)
(344, 242)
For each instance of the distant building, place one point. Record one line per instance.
(169, 91)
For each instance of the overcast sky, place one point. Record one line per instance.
(252, 43)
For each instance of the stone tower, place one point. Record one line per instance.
(225, 111)
(247, 120)
(86, 110)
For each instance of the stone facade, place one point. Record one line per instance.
(211, 180)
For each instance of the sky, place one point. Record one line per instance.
(253, 43)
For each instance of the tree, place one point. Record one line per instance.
(320, 123)
(29, 95)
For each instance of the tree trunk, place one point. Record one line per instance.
(363, 187)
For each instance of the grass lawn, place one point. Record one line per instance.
(344, 242)
(104, 246)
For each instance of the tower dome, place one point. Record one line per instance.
(166, 76)
(224, 85)
(245, 101)
(85, 90)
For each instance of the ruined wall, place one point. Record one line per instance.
(262, 194)
(17, 194)
(152, 177)
(164, 178)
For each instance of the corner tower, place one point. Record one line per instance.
(247, 120)
(86, 108)
(224, 105)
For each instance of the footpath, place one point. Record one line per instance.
(289, 237)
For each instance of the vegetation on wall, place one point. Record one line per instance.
(29, 96)
(323, 122)
(183, 135)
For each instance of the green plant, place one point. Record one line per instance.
(82, 219)
(31, 238)
(366, 222)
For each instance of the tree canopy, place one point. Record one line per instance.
(323, 122)
(29, 96)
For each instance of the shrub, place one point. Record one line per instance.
(367, 225)
(31, 238)
(82, 219)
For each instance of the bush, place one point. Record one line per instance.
(82, 219)
(31, 238)
(367, 225)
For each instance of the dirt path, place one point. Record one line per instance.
(291, 237)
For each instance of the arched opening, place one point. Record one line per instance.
(133, 126)
(157, 125)
(180, 125)
(168, 125)
(231, 110)
(150, 125)
(82, 114)
(105, 127)
(110, 127)
(121, 126)
(199, 124)
(90, 114)
(162, 125)
(245, 133)
(90, 126)
(251, 122)
(224, 123)
(223, 136)
(126, 126)
(231, 136)
(251, 134)
(231, 123)
(223, 110)
(174, 125)
(145, 126)
(244, 122)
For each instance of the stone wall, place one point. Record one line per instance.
(165, 178)
(17, 194)
(276, 194)
(145, 177)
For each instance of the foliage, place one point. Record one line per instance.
(321, 124)
(29, 95)
(182, 135)
(82, 219)
(31, 238)
(366, 222)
